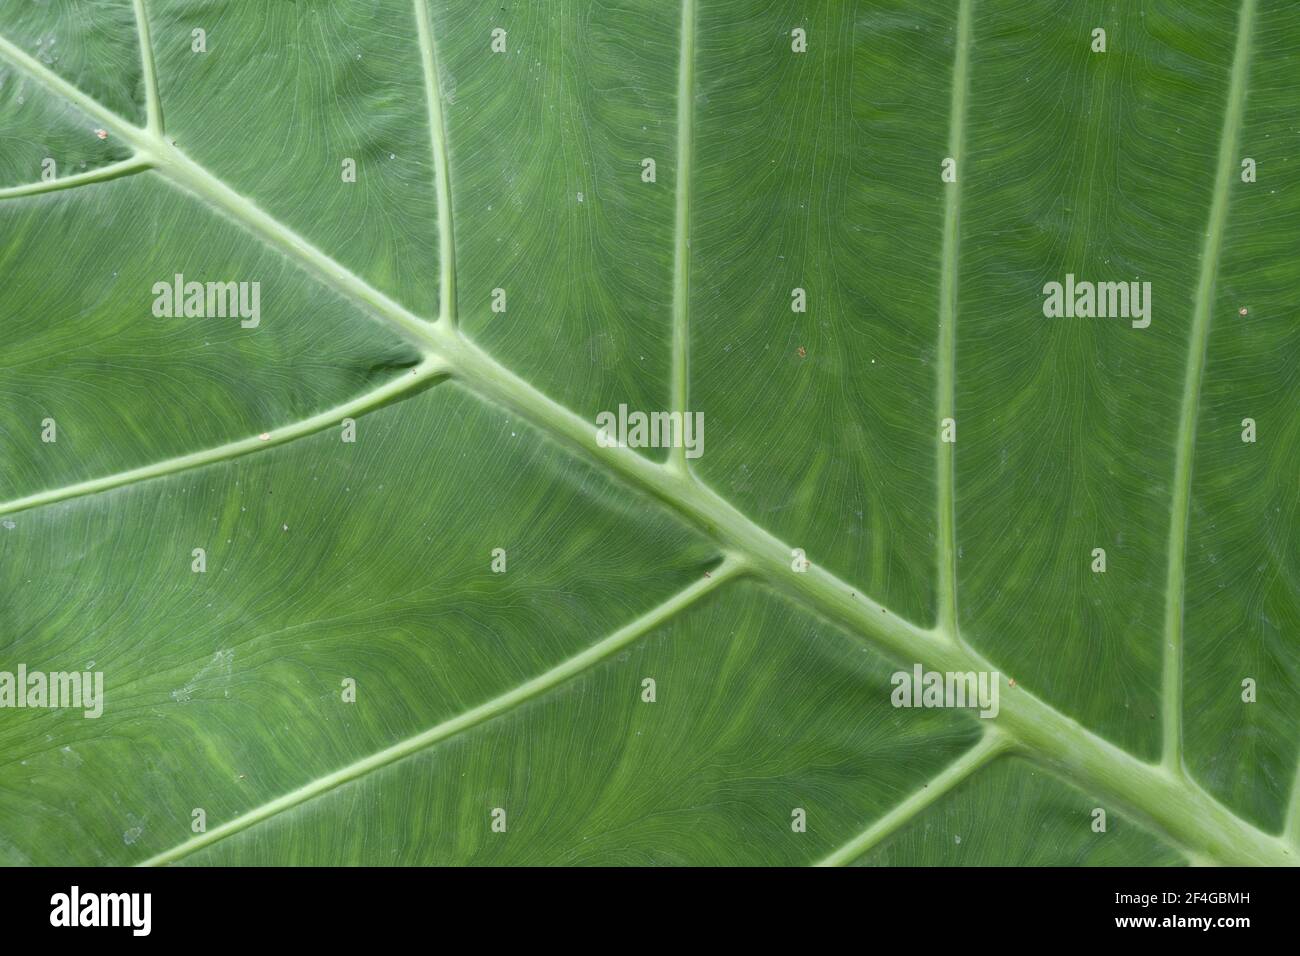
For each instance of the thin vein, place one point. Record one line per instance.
(190, 175)
(153, 103)
(125, 167)
(1291, 832)
(447, 311)
(566, 670)
(682, 223)
(417, 377)
(1175, 581)
(991, 745)
(945, 452)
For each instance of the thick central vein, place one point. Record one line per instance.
(1176, 578)
(1177, 807)
(945, 452)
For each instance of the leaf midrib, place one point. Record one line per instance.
(1177, 806)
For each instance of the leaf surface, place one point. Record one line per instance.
(501, 271)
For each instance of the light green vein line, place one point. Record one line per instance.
(1175, 581)
(945, 452)
(59, 85)
(682, 223)
(153, 104)
(123, 168)
(190, 175)
(730, 568)
(441, 163)
(990, 746)
(1292, 831)
(412, 379)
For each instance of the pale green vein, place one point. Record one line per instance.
(153, 104)
(945, 452)
(125, 167)
(187, 173)
(416, 377)
(1175, 580)
(1292, 832)
(682, 223)
(58, 84)
(441, 163)
(730, 568)
(991, 745)
(1174, 805)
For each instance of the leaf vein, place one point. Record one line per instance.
(991, 746)
(730, 568)
(1175, 581)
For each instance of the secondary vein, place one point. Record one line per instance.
(153, 103)
(1291, 831)
(1175, 580)
(415, 378)
(990, 746)
(729, 569)
(125, 167)
(441, 163)
(682, 222)
(945, 452)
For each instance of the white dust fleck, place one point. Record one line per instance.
(221, 662)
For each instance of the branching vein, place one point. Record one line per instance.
(441, 162)
(153, 103)
(1175, 581)
(682, 223)
(413, 379)
(124, 167)
(991, 745)
(945, 452)
(729, 569)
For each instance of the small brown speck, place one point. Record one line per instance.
(1011, 682)
(803, 352)
(102, 133)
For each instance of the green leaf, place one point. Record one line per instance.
(475, 634)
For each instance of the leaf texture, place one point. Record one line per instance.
(567, 653)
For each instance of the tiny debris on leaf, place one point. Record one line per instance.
(102, 133)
